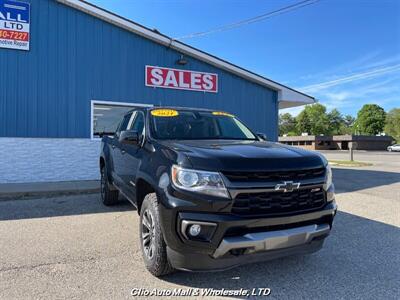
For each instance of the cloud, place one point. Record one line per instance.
(387, 61)
(370, 60)
(348, 79)
(294, 111)
(370, 78)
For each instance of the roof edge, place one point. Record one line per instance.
(288, 97)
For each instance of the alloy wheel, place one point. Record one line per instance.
(148, 232)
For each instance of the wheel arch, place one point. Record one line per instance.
(143, 188)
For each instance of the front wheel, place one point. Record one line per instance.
(154, 249)
(390, 149)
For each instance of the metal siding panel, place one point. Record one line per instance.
(70, 87)
(53, 122)
(62, 63)
(75, 58)
(82, 75)
(42, 52)
(13, 94)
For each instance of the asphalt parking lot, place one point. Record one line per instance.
(73, 247)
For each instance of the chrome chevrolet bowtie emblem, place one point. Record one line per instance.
(287, 186)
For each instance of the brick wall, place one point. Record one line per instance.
(42, 159)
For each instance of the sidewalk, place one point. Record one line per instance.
(13, 191)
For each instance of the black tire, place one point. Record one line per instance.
(108, 197)
(154, 249)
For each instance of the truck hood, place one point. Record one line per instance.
(231, 155)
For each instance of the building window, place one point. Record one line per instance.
(106, 116)
(308, 143)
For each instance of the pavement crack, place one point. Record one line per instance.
(32, 267)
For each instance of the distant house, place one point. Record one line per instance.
(338, 142)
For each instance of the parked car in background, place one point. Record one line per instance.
(395, 147)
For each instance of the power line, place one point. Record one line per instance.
(259, 18)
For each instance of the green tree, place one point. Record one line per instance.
(347, 125)
(336, 122)
(392, 126)
(303, 122)
(370, 120)
(287, 124)
(348, 120)
(313, 120)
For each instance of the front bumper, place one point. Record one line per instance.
(204, 263)
(238, 239)
(272, 240)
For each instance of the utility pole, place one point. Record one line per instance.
(352, 145)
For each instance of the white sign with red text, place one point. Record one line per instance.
(181, 79)
(14, 25)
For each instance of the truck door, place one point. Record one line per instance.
(132, 155)
(118, 151)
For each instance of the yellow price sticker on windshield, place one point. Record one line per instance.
(164, 113)
(221, 113)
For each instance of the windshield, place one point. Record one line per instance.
(197, 125)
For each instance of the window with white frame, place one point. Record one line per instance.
(106, 116)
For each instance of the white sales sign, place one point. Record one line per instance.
(14, 24)
(181, 79)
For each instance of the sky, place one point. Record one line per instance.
(345, 53)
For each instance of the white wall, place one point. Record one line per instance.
(48, 159)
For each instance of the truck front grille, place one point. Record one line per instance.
(294, 175)
(278, 203)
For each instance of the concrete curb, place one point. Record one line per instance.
(16, 191)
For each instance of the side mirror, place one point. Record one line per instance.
(104, 133)
(129, 137)
(262, 136)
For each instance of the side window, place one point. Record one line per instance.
(124, 124)
(138, 123)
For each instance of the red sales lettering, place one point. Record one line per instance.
(181, 79)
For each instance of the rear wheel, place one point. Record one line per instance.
(154, 249)
(108, 197)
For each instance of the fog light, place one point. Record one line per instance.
(194, 230)
(198, 230)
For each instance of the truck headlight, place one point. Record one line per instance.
(204, 182)
(328, 180)
(329, 186)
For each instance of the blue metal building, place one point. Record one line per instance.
(82, 58)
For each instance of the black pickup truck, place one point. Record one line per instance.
(212, 194)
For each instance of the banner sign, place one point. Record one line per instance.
(181, 79)
(14, 24)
